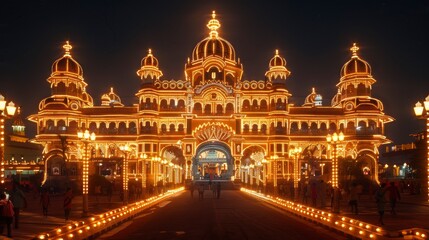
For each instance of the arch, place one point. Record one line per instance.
(172, 128)
(246, 128)
(198, 108)
(112, 128)
(213, 153)
(219, 109)
(163, 128)
(163, 104)
(255, 128)
(72, 126)
(93, 127)
(132, 128)
(229, 108)
(264, 105)
(207, 109)
(294, 127)
(255, 104)
(61, 125)
(246, 104)
(264, 128)
(102, 128)
(181, 128)
(181, 104)
(122, 128)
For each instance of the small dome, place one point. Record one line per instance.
(111, 99)
(149, 60)
(313, 99)
(66, 64)
(277, 61)
(213, 45)
(355, 65)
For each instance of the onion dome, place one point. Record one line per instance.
(66, 65)
(111, 99)
(355, 66)
(277, 68)
(213, 45)
(149, 67)
(18, 126)
(313, 99)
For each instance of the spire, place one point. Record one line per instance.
(277, 52)
(67, 47)
(354, 50)
(149, 52)
(213, 25)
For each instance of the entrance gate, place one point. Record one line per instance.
(213, 160)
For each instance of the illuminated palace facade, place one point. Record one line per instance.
(211, 124)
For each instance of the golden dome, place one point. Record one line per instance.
(277, 61)
(149, 60)
(66, 64)
(355, 65)
(111, 99)
(213, 45)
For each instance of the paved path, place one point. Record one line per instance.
(234, 216)
(412, 211)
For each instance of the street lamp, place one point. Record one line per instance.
(418, 110)
(322, 166)
(126, 150)
(5, 112)
(296, 152)
(85, 137)
(334, 140)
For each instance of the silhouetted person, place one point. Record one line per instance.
(380, 201)
(394, 196)
(7, 214)
(201, 191)
(68, 197)
(19, 201)
(45, 201)
(353, 201)
(218, 188)
(192, 189)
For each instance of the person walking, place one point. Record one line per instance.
(7, 214)
(201, 191)
(353, 200)
(218, 187)
(381, 202)
(45, 201)
(394, 196)
(17, 196)
(68, 197)
(192, 189)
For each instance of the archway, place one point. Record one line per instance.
(213, 160)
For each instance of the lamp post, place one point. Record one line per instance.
(85, 137)
(333, 141)
(418, 110)
(322, 166)
(5, 112)
(296, 152)
(126, 150)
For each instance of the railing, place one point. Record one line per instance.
(94, 226)
(349, 226)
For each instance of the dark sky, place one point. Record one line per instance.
(110, 38)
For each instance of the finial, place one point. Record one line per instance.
(67, 47)
(111, 89)
(277, 52)
(149, 52)
(213, 25)
(354, 49)
(313, 90)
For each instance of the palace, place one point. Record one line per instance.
(212, 124)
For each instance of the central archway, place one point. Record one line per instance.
(213, 160)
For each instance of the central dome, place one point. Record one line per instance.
(213, 45)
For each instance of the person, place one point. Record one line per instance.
(314, 194)
(214, 190)
(19, 201)
(68, 197)
(45, 201)
(380, 201)
(322, 193)
(7, 213)
(192, 189)
(218, 187)
(97, 192)
(201, 191)
(394, 196)
(353, 201)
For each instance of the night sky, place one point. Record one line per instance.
(110, 38)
